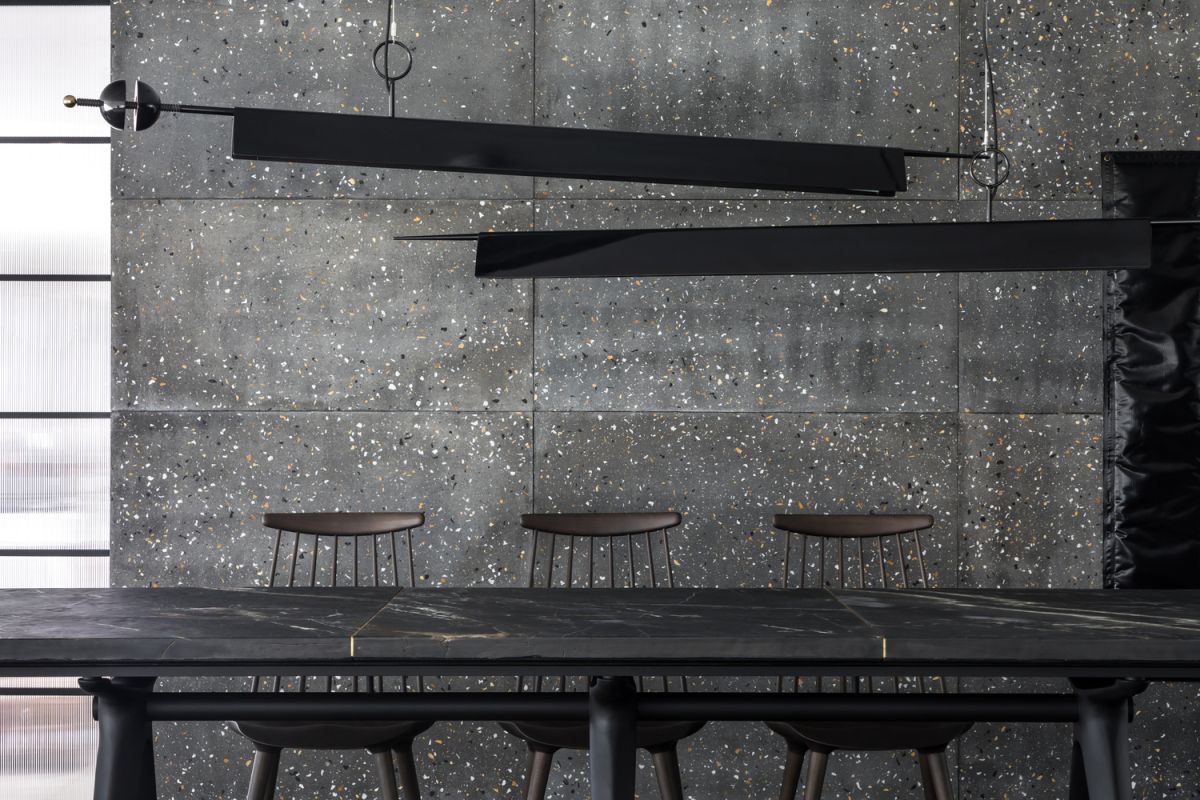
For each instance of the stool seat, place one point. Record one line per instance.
(574, 735)
(349, 735)
(877, 736)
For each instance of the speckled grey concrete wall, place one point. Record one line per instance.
(274, 348)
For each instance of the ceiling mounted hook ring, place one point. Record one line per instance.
(382, 61)
(990, 168)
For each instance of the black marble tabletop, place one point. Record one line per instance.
(505, 631)
(77, 627)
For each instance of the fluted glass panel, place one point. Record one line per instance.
(45, 53)
(54, 208)
(54, 339)
(54, 357)
(53, 572)
(47, 748)
(54, 484)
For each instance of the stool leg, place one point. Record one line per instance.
(817, 762)
(939, 774)
(791, 771)
(264, 773)
(406, 765)
(926, 775)
(387, 773)
(666, 767)
(537, 773)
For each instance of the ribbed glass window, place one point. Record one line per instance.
(54, 346)
(54, 484)
(48, 749)
(45, 53)
(54, 366)
(53, 572)
(54, 206)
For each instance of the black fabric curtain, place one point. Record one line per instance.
(1152, 379)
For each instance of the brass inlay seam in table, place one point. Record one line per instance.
(360, 628)
(859, 617)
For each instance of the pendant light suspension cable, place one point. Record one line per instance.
(990, 166)
(382, 60)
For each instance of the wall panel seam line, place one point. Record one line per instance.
(523, 198)
(531, 412)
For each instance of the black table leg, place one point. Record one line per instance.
(1078, 786)
(1100, 753)
(125, 760)
(612, 742)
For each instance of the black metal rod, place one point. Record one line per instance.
(64, 552)
(55, 139)
(431, 706)
(937, 154)
(184, 108)
(440, 237)
(55, 277)
(732, 706)
(55, 414)
(70, 101)
(715, 706)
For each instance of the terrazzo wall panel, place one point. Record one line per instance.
(312, 305)
(476, 64)
(814, 343)
(274, 348)
(1078, 78)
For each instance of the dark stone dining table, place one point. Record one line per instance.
(1108, 644)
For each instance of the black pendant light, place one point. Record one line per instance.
(840, 249)
(814, 249)
(314, 138)
(263, 134)
(406, 143)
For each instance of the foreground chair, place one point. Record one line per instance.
(366, 533)
(613, 559)
(885, 552)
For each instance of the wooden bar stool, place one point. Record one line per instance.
(883, 551)
(599, 551)
(367, 534)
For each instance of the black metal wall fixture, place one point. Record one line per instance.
(405, 143)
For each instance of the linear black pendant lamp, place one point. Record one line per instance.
(825, 249)
(262, 134)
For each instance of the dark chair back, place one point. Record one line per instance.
(343, 549)
(353, 537)
(600, 551)
(855, 551)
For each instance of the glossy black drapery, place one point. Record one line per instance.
(1152, 379)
